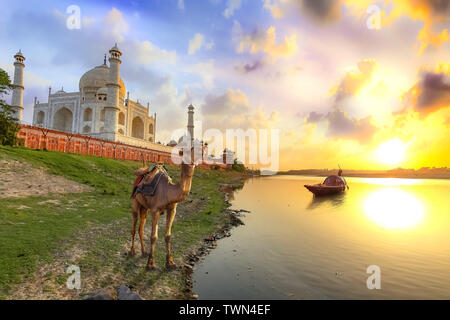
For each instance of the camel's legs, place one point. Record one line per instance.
(143, 217)
(154, 238)
(134, 211)
(170, 264)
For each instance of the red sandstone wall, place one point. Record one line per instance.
(40, 138)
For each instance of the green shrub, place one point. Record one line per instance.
(239, 167)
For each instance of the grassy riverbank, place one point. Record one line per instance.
(42, 235)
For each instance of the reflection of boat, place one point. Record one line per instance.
(331, 185)
(333, 200)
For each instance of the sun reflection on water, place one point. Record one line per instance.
(393, 208)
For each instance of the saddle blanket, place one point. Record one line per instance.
(147, 189)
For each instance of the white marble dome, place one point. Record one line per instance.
(97, 78)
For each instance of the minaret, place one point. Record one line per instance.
(190, 126)
(113, 85)
(17, 95)
(154, 128)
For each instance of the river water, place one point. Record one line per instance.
(295, 246)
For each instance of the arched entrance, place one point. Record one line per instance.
(40, 117)
(62, 120)
(137, 130)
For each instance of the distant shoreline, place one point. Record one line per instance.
(397, 173)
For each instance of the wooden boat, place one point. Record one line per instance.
(331, 185)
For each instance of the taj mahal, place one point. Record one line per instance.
(102, 108)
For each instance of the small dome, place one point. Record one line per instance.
(97, 78)
(115, 48)
(19, 57)
(19, 54)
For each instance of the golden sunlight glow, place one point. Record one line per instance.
(393, 208)
(391, 152)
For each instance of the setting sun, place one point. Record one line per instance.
(391, 152)
(393, 208)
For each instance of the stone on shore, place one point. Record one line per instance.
(124, 293)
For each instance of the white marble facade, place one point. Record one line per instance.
(91, 112)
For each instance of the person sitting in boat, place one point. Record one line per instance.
(340, 172)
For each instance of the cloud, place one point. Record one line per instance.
(205, 70)
(353, 81)
(232, 110)
(209, 45)
(322, 10)
(427, 38)
(431, 92)
(315, 117)
(114, 25)
(431, 12)
(435, 89)
(231, 102)
(274, 6)
(341, 125)
(266, 42)
(319, 10)
(250, 67)
(232, 6)
(146, 52)
(196, 43)
(181, 4)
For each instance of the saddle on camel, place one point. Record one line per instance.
(155, 173)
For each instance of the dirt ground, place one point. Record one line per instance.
(34, 182)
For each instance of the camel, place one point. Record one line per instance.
(166, 198)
